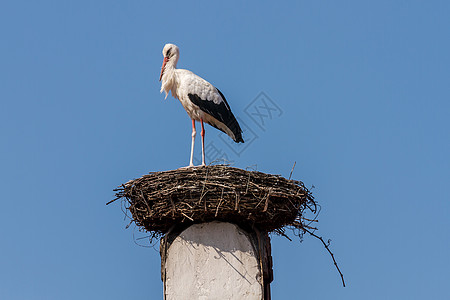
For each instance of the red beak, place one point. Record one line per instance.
(166, 59)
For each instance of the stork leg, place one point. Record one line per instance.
(191, 164)
(202, 133)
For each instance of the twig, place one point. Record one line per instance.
(248, 180)
(218, 205)
(331, 253)
(292, 170)
(204, 185)
(310, 220)
(113, 200)
(266, 205)
(236, 207)
(174, 209)
(281, 232)
(187, 216)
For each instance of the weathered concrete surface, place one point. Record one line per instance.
(212, 261)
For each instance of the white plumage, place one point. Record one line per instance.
(201, 100)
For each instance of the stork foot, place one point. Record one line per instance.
(187, 167)
(193, 166)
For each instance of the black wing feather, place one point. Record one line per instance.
(221, 112)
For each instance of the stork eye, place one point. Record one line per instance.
(168, 53)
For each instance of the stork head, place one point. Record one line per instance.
(171, 54)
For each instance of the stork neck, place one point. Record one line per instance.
(170, 68)
(169, 79)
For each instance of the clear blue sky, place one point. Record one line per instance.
(363, 89)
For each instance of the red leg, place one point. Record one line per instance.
(203, 142)
(191, 163)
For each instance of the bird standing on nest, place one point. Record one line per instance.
(201, 100)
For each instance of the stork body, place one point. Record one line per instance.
(201, 100)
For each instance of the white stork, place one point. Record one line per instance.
(201, 100)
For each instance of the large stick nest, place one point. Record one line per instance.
(160, 200)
